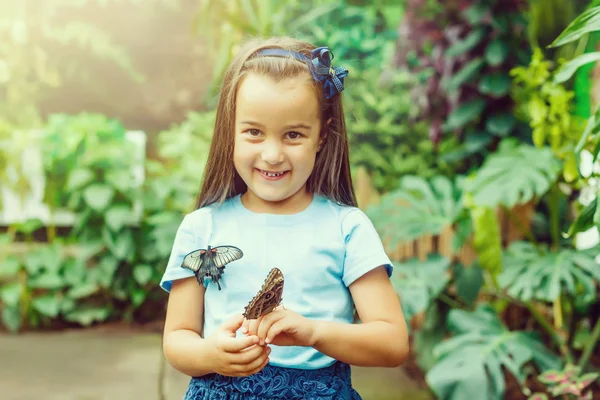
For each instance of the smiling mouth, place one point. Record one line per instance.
(270, 174)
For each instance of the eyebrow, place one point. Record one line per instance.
(292, 126)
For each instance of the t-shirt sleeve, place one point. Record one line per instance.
(364, 249)
(185, 242)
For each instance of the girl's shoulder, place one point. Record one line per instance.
(348, 216)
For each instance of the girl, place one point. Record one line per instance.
(277, 187)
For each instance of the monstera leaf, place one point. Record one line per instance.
(513, 175)
(419, 283)
(530, 275)
(470, 364)
(418, 207)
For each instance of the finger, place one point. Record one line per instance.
(266, 324)
(250, 354)
(245, 325)
(255, 366)
(254, 324)
(232, 324)
(234, 345)
(274, 330)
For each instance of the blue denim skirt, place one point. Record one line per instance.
(276, 383)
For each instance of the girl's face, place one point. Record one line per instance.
(277, 135)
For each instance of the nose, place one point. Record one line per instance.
(272, 152)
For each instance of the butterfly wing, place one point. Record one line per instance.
(268, 297)
(223, 255)
(194, 260)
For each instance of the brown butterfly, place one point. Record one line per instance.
(268, 297)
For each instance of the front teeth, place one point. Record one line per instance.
(272, 174)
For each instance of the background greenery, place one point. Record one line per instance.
(459, 113)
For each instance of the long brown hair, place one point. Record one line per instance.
(331, 174)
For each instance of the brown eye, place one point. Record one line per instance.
(294, 135)
(253, 132)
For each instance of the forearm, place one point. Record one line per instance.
(188, 353)
(373, 344)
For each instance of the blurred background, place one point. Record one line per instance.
(475, 132)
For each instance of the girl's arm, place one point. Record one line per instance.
(382, 337)
(183, 345)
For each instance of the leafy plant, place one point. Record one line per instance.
(463, 46)
(514, 174)
(382, 137)
(470, 364)
(420, 283)
(568, 382)
(108, 265)
(535, 273)
(416, 208)
(546, 104)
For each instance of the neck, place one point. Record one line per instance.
(294, 204)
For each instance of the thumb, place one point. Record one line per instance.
(232, 324)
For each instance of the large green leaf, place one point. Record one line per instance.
(118, 216)
(566, 71)
(78, 178)
(468, 281)
(11, 318)
(470, 364)
(588, 21)
(466, 74)
(496, 52)
(496, 84)
(515, 174)
(530, 275)
(419, 283)
(500, 124)
(48, 305)
(98, 196)
(418, 207)
(142, 274)
(464, 114)
(466, 44)
(11, 293)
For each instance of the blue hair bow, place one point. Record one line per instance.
(320, 67)
(331, 78)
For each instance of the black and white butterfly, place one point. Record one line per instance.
(210, 262)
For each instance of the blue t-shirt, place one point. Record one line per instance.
(320, 250)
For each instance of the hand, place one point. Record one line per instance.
(236, 356)
(282, 327)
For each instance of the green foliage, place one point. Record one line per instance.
(420, 283)
(382, 138)
(534, 273)
(110, 263)
(470, 364)
(418, 207)
(514, 174)
(568, 382)
(588, 21)
(547, 106)
(464, 49)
